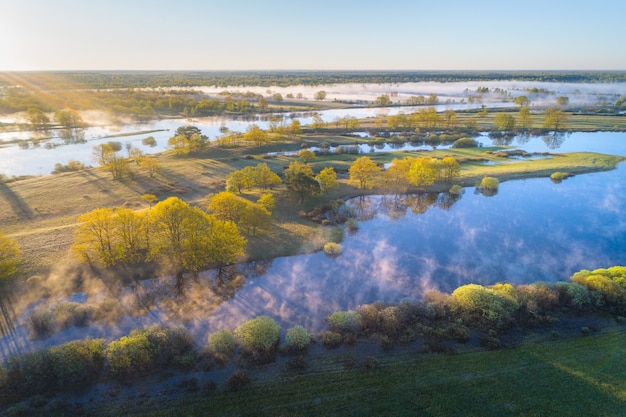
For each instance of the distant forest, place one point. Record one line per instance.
(142, 79)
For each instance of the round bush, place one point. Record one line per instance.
(222, 342)
(333, 249)
(465, 143)
(297, 338)
(456, 190)
(260, 333)
(489, 183)
(344, 321)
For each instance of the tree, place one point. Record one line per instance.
(260, 333)
(318, 123)
(295, 128)
(320, 95)
(303, 185)
(68, 119)
(94, 239)
(306, 155)
(9, 257)
(188, 239)
(524, 119)
(423, 171)
(562, 101)
(151, 165)
(504, 122)
(227, 206)
(327, 179)
(37, 118)
(449, 118)
(267, 201)
(364, 172)
(128, 232)
(450, 168)
(382, 101)
(522, 101)
(396, 177)
(239, 179)
(264, 177)
(555, 119)
(255, 216)
(256, 135)
(297, 167)
(188, 140)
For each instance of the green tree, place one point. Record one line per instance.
(555, 119)
(382, 101)
(522, 101)
(504, 122)
(9, 257)
(320, 95)
(364, 172)
(562, 101)
(242, 178)
(68, 119)
(264, 177)
(318, 123)
(449, 119)
(524, 119)
(188, 140)
(37, 118)
(254, 217)
(302, 185)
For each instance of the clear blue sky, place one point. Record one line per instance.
(319, 34)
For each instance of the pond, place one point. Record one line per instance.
(532, 230)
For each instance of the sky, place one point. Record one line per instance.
(312, 35)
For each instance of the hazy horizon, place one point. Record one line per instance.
(246, 35)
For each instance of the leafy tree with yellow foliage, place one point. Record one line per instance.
(364, 172)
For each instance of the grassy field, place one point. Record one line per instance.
(40, 213)
(577, 377)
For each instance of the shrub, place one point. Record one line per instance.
(456, 190)
(574, 294)
(260, 333)
(149, 141)
(77, 363)
(296, 363)
(41, 323)
(145, 350)
(344, 321)
(480, 304)
(237, 380)
(331, 339)
(558, 176)
(465, 143)
(222, 342)
(352, 224)
(333, 249)
(297, 338)
(489, 183)
(72, 314)
(458, 332)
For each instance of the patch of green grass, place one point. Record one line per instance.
(579, 377)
